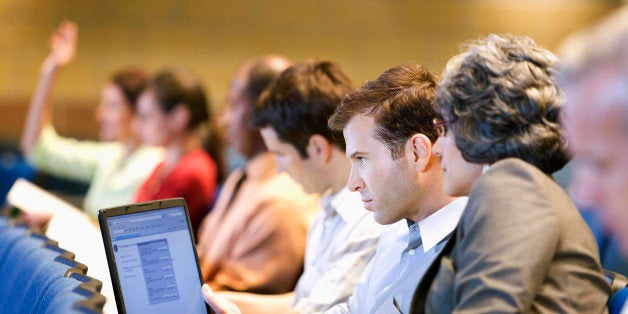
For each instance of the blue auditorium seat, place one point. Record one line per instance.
(8, 236)
(40, 270)
(14, 166)
(617, 301)
(58, 289)
(76, 293)
(4, 221)
(39, 277)
(45, 275)
(24, 245)
(16, 258)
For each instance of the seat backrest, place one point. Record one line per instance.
(81, 294)
(41, 270)
(59, 288)
(4, 220)
(617, 301)
(8, 236)
(16, 270)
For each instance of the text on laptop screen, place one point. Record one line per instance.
(155, 262)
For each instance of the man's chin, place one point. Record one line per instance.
(382, 220)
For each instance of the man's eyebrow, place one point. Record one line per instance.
(355, 154)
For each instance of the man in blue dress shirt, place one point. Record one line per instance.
(387, 125)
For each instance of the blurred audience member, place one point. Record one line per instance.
(292, 115)
(254, 238)
(608, 241)
(608, 244)
(173, 112)
(116, 166)
(521, 245)
(595, 78)
(387, 124)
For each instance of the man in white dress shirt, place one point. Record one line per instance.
(292, 116)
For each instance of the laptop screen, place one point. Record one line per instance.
(155, 262)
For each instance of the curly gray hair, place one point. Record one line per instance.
(501, 99)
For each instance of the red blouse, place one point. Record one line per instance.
(193, 178)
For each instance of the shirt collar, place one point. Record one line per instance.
(346, 204)
(438, 225)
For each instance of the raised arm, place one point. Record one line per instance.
(62, 50)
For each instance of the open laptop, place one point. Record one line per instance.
(152, 258)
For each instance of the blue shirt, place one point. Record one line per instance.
(405, 251)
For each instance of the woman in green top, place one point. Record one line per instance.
(116, 165)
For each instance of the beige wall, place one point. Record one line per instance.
(212, 37)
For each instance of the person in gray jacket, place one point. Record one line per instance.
(521, 245)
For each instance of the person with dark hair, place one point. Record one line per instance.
(308, 91)
(114, 167)
(387, 123)
(521, 245)
(254, 238)
(292, 116)
(173, 111)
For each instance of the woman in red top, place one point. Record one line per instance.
(173, 112)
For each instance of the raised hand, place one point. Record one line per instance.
(63, 44)
(62, 50)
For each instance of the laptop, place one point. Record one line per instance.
(152, 258)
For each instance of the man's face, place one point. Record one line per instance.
(303, 171)
(388, 187)
(458, 174)
(235, 118)
(595, 120)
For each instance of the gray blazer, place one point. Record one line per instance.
(521, 247)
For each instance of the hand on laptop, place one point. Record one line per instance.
(219, 304)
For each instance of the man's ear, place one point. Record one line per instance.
(319, 147)
(180, 117)
(420, 150)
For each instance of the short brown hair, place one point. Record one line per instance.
(299, 102)
(399, 100)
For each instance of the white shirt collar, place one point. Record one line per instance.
(438, 225)
(348, 205)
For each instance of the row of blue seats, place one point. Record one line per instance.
(619, 288)
(40, 277)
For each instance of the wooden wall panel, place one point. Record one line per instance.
(212, 37)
